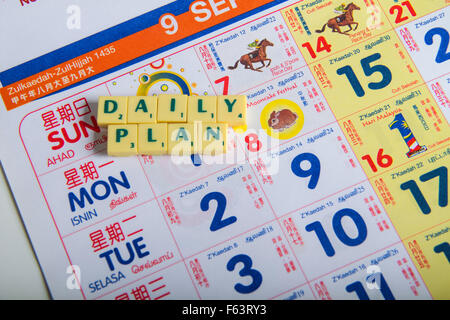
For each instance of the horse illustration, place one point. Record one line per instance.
(345, 19)
(258, 55)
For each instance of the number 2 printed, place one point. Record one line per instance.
(217, 222)
(442, 54)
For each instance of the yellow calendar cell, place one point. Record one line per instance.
(112, 110)
(401, 12)
(202, 108)
(366, 74)
(415, 195)
(430, 251)
(323, 28)
(122, 140)
(152, 138)
(396, 131)
(172, 108)
(142, 109)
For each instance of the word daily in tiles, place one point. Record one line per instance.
(334, 184)
(174, 124)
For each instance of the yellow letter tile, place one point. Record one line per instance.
(172, 108)
(122, 140)
(213, 138)
(142, 109)
(181, 138)
(112, 110)
(152, 138)
(202, 108)
(232, 110)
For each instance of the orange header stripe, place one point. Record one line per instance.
(112, 55)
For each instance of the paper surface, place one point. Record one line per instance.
(344, 197)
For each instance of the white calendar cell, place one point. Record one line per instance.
(284, 109)
(256, 265)
(250, 55)
(440, 88)
(287, 212)
(214, 209)
(426, 40)
(339, 229)
(167, 173)
(92, 189)
(64, 132)
(304, 172)
(122, 248)
(388, 274)
(172, 283)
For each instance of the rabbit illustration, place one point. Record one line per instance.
(282, 120)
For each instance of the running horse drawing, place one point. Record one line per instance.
(345, 19)
(258, 55)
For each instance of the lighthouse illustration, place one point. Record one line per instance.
(410, 140)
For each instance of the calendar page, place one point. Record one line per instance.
(344, 197)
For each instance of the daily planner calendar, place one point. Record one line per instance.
(336, 188)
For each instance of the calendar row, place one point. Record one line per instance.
(336, 187)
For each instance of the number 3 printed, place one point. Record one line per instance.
(245, 271)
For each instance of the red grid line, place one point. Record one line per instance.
(141, 163)
(423, 84)
(107, 218)
(137, 280)
(170, 230)
(71, 162)
(365, 172)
